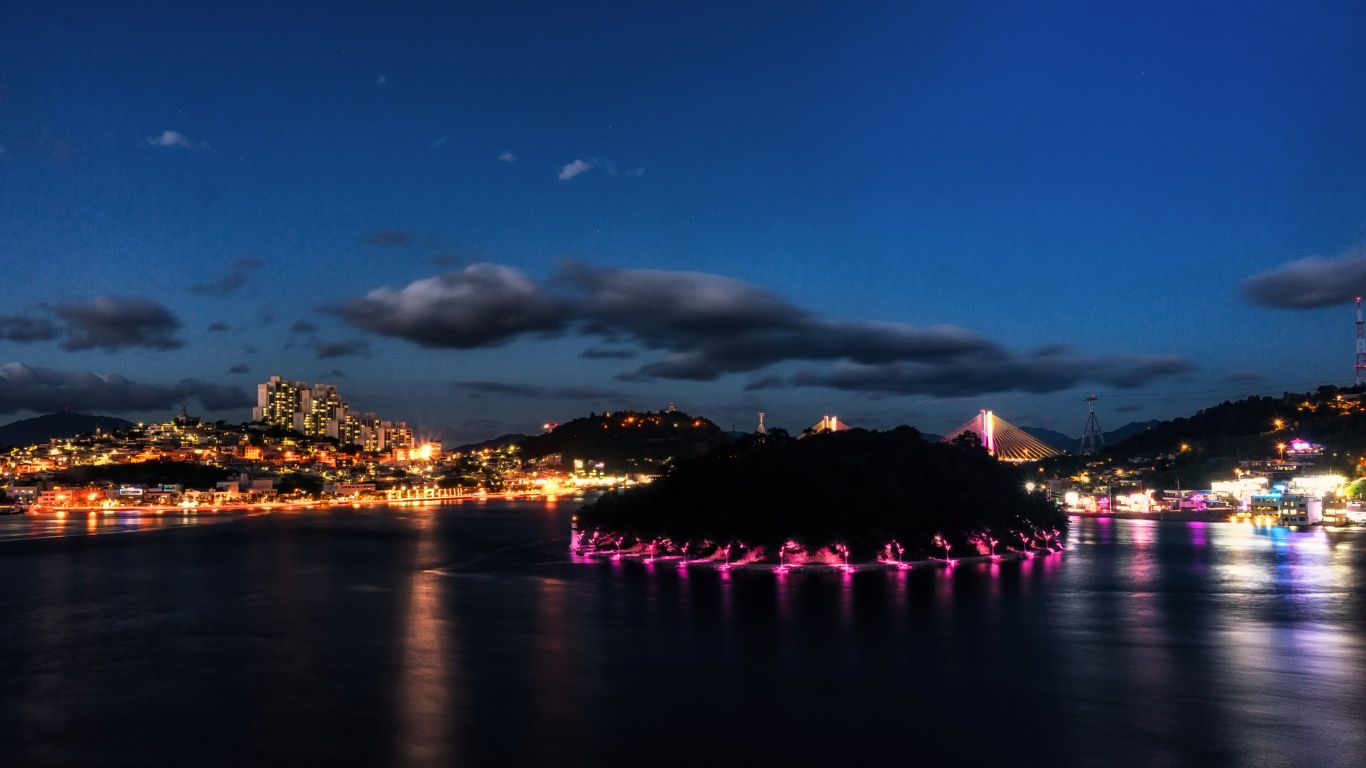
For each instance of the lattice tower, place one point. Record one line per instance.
(1092, 439)
(1361, 348)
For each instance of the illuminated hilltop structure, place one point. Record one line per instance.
(829, 424)
(1002, 439)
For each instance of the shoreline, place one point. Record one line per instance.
(303, 503)
(906, 565)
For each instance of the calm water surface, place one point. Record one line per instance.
(461, 634)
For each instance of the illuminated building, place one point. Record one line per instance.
(318, 411)
(327, 412)
(283, 404)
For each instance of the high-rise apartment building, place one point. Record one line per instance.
(326, 416)
(318, 411)
(283, 404)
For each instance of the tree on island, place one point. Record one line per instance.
(857, 489)
(629, 441)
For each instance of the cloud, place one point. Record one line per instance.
(483, 305)
(584, 393)
(994, 372)
(25, 330)
(507, 389)
(637, 172)
(169, 139)
(1131, 408)
(507, 157)
(303, 326)
(112, 323)
(705, 326)
(1309, 283)
(498, 388)
(390, 238)
(219, 327)
(239, 368)
(335, 373)
(237, 275)
(24, 388)
(577, 167)
(351, 348)
(607, 353)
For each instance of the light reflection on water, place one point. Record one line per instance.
(426, 687)
(55, 524)
(463, 634)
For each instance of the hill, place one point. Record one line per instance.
(1068, 444)
(857, 488)
(53, 426)
(629, 441)
(1209, 444)
(1117, 436)
(494, 444)
(1052, 439)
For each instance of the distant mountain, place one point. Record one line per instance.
(1053, 439)
(1073, 444)
(1127, 431)
(494, 444)
(41, 429)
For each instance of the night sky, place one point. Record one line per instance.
(478, 217)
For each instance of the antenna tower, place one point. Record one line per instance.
(1361, 348)
(1092, 439)
(761, 429)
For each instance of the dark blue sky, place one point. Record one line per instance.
(897, 213)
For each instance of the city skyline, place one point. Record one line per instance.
(478, 221)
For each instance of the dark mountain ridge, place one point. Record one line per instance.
(57, 426)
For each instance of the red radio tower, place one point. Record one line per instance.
(1361, 348)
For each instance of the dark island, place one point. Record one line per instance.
(870, 495)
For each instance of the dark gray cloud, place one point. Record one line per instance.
(239, 368)
(219, 327)
(705, 326)
(237, 275)
(483, 305)
(584, 393)
(607, 353)
(303, 326)
(24, 388)
(112, 323)
(25, 330)
(982, 374)
(349, 348)
(498, 388)
(392, 238)
(335, 373)
(508, 389)
(1309, 283)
